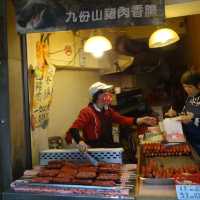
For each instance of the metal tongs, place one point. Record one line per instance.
(92, 160)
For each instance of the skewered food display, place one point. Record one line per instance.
(107, 179)
(86, 174)
(156, 149)
(152, 169)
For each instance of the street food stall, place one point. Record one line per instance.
(58, 69)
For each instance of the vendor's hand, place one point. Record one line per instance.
(82, 146)
(151, 121)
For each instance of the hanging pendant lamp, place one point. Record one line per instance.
(163, 37)
(97, 45)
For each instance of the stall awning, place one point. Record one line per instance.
(55, 15)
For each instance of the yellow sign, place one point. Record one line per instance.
(42, 87)
(42, 96)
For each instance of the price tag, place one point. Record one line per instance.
(188, 192)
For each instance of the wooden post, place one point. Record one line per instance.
(5, 142)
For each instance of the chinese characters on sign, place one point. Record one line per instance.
(135, 11)
(42, 96)
(188, 192)
(79, 14)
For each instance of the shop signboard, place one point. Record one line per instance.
(188, 192)
(53, 15)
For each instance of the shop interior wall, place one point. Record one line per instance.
(70, 92)
(193, 41)
(16, 96)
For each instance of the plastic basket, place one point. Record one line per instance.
(110, 155)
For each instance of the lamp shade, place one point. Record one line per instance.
(163, 37)
(97, 45)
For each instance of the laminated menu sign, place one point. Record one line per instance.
(42, 95)
(188, 192)
(173, 130)
(52, 15)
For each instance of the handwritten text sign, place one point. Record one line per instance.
(42, 96)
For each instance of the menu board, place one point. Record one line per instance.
(188, 192)
(42, 95)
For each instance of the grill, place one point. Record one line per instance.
(110, 155)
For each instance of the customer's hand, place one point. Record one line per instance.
(185, 118)
(82, 146)
(151, 121)
(171, 113)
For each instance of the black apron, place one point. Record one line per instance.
(106, 139)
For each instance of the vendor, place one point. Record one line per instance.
(191, 122)
(95, 120)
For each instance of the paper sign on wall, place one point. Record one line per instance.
(42, 96)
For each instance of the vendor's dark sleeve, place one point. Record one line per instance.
(75, 134)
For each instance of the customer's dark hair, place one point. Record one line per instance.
(95, 96)
(190, 78)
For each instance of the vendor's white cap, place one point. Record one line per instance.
(94, 88)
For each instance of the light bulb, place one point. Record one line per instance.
(97, 54)
(97, 45)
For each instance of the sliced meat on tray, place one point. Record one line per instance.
(48, 173)
(85, 165)
(54, 166)
(107, 176)
(86, 175)
(71, 165)
(82, 181)
(109, 167)
(68, 170)
(62, 180)
(66, 175)
(104, 183)
(41, 180)
(87, 169)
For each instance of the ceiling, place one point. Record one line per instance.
(177, 8)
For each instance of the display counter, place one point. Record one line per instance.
(162, 166)
(11, 195)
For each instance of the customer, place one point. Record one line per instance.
(191, 121)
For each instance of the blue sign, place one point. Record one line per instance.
(188, 192)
